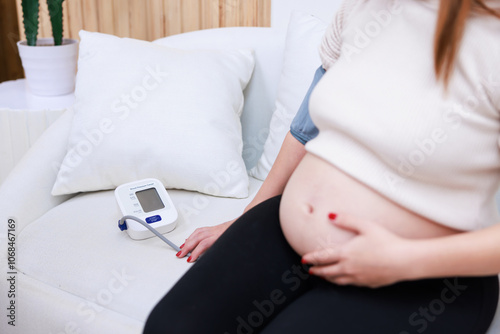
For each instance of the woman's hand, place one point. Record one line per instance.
(374, 257)
(201, 240)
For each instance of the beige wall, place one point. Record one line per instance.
(152, 19)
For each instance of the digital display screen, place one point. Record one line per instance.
(150, 200)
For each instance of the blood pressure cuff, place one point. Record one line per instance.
(302, 127)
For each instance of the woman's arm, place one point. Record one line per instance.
(288, 158)
(377, 257)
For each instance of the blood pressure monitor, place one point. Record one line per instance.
(149, 201)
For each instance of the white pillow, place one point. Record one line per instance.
(301, 59)
(145, 110)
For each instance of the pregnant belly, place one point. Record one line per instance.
(317, 188)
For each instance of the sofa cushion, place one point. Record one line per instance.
(260, 94)
(78, 248)
(148, 111)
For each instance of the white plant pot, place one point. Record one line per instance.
(50, 70)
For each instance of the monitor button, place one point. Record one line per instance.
(153, 219)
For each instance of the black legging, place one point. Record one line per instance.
(251, 281)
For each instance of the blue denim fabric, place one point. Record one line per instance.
(302, 127)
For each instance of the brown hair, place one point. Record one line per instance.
(450, 27)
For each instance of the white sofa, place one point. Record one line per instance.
(76, 272)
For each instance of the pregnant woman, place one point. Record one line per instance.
(388, 222)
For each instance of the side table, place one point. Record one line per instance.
(23, 118)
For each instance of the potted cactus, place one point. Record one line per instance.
(49, 63)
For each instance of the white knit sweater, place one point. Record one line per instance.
(386, 121)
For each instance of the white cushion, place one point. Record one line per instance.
(301, 59)
(145, 110)
(260, 95)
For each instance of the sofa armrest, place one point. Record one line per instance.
(25, 196)
(25, 193)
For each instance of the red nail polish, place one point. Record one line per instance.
(182, 246)
(189, 259)
(310, 272)
(178, 254)
(303, 261)
(332, 216)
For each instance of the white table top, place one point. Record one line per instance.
(15, 95)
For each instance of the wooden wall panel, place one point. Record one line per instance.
(138, 19)
(44, 26)
(229, 13)
(172, 17)
(65, 22)
(190, 15)
(152, 19)
(264, 16)
(105, 16)
(210, 13)
(121, 17)
(74, 17)
(89, 14)
(155, 19)
(10, 64)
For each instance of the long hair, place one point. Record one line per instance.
(452, 17)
